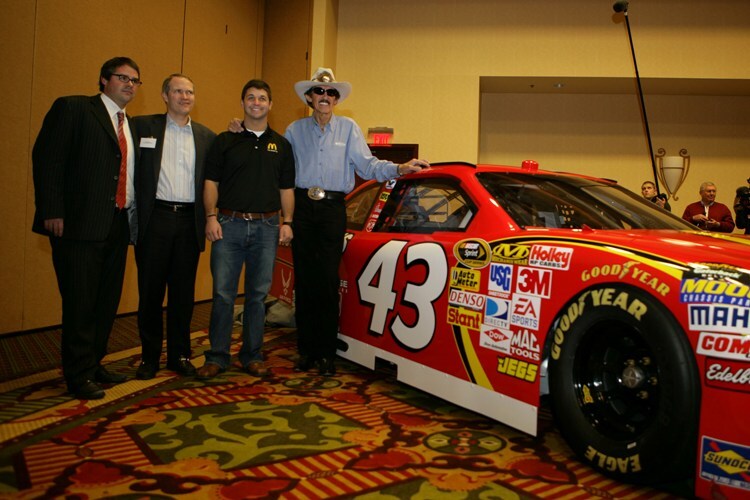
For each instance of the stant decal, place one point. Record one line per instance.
(463, 317)
(465, 279)
(720, 345)
(500, 283)
(497, 312)
(473, 253)
(726, 463)
(719, 318)
(466, 299)
(550, 257)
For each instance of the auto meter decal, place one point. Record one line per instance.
(465, 279)
(473, 253)
(725, 463)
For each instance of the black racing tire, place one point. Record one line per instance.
(624, 386)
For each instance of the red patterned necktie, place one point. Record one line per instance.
(123, 177)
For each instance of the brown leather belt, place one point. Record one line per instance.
(247, 215)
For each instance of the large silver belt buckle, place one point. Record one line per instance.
(316, 193)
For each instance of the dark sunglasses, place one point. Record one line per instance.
(321, 91)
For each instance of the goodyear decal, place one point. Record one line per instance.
(627, 270)
(720, 345)
(719, 318)
(726, 463)
(473, 253)
(701, 290)
(623, 465)
(507, 253)
(465, 279)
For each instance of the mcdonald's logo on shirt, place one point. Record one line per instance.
(272, 147)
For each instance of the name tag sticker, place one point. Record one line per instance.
(148, 142)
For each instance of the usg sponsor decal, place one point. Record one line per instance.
(497, 312)
(728, 375)
(719, 345)
(534, 281)
(463, 317)
(525, 311)
(506, 253)
(719, 318)
(472, 253)
(550, 257)
(726, 463)
(701, 290)
(465, 279)
(500, 281)
(467, 299)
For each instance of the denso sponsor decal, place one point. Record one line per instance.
(497, 312)
(466, 299)
(517, 368)
(500, 283)
(550, 257)
(495, 338)
(728, 375)
(473, 253)
(719, 345)
(463, 317)
(719, 318)
(506, 253)
(726, 463)
(465, 279)
(701, 290)
(534, 281)
(525, 311)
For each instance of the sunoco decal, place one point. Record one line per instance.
(719, 318)
(472, 253)
(725, 463)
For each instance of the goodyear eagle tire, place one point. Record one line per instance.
(624, 387)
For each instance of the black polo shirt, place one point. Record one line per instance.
(250, 170)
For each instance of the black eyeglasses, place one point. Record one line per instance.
(328, 92)
(125, 79)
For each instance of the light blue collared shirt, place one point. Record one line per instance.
(328, 158)
(177, 172)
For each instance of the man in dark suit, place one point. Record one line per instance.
(171, 225)
(84, 159)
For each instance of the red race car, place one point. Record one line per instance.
(491, 286)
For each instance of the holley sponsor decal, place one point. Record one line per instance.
(550, 257)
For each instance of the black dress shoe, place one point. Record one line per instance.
(183, 367)
(326, 367)
(304, 363)
(104, 376)
(86, 390)
(146, 371)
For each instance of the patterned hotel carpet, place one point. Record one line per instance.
(292, 436)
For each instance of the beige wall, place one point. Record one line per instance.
(416, 66)
(54, 47)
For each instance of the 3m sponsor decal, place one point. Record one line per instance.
(495, 338)
(628, 269)
(701, 290)
(467, 299)
(594, 298)
(623, 465)
(719, 318)
(719, 345)
(517, 368)
(463, 317)
(465, 279)
(500, 283)
(550, 257)
(525, 311)
(533, 281)
(726, 463)
(497, 312)
(506, 253)
(472, 253)
(728, 375)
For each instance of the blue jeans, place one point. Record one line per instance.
(252, 243)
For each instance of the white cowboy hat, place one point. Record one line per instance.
(323, 76)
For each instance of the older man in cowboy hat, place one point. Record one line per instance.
(328, 150)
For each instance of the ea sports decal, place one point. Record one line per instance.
(525, 311)
(473, 253)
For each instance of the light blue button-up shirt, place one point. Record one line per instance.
(328, 158)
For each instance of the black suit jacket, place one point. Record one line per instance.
(76, 161)
(149, 167)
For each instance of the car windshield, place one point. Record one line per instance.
(552, 201)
